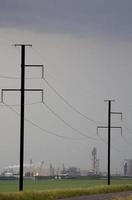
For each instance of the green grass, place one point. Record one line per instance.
(30, 185)
(63, 193)
(56, 189)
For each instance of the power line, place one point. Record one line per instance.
(8, 77)
(42, 129)
(116, 149)
(51, 132)
(113, 147)
(106, 143)
(64, 99)
(67, 124)
(128, 130)
(125, 140)
(70, 105)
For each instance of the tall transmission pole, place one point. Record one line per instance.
(22, 114)
(22, 90)
(109, 134)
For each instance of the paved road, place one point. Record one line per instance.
(108, 196)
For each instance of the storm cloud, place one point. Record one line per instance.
(74, 16)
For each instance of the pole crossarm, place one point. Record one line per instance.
(16, 89)
(34, 65)
(11, 90)
(99, 127)
(117, 113)
(19, 45)
(107, 100)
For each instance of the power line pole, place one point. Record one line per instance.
(22, 114)
(109, 138)
(109, 134)
(22, 90)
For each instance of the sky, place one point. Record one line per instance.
(85, 46)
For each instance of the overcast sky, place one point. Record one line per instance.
(86, 48)
(71, 16)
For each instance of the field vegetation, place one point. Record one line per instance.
(29, 185)
(58, 189)
(62, 193)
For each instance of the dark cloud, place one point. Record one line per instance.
(82, 16)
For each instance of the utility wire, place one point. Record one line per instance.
(8, 77)
(42, 129)
(128, 130)
(106, 143)
(125, 140)
(116, 149)
(53, 112)
(70, 105)
(50, 132)
(67, 124)
(73, 108)
(62, 98)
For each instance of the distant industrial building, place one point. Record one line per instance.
(95, 162)
(127, 167)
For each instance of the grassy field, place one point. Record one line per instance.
(56, 189)
(63, 193)
(31, 185)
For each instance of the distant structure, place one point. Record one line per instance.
(95, 161)
(125, 169)
(73, 172)
(30, 170)
(40, 173)
(52, 172)
(13, 170)
(128, 167)
(97, 166)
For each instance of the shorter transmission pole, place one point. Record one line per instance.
(109, 132)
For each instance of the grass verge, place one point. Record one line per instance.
(63, 193)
